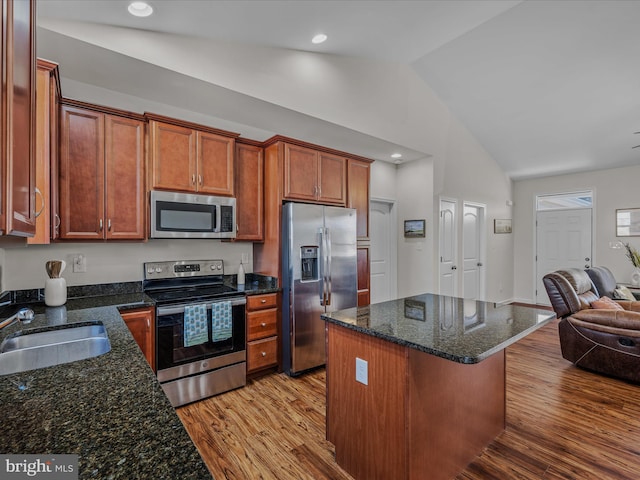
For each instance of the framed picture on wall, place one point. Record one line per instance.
(414, 228)
(502, 225)
(628, 222)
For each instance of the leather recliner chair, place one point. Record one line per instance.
(601, 340)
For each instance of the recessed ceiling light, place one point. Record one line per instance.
(140, 9)
(319, 38)
(396, 155)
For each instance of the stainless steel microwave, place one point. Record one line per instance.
(186, 215)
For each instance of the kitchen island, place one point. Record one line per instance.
(416, 386)
(109, 410)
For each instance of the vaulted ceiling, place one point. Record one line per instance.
(546, 87)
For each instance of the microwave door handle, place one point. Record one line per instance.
(218, 218)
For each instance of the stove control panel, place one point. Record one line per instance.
(183, 268)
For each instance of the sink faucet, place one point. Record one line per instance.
(24, 315)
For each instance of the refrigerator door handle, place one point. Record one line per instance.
(328, 241)
(323, 283)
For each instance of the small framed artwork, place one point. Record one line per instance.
(628, 222)
(502, 226)
(414, 228)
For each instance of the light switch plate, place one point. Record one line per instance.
(362, 371)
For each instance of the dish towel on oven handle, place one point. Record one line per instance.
(196, 326)
(220, 321)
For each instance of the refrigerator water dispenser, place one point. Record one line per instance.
(309, 264)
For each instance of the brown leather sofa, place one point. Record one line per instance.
(601, 340)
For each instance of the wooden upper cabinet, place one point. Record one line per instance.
(173, 157)
(332, 174)
(101, 178)
(189, 159)
(215, 164)
(358, 194)
(81, 182)
(47, 104)
(249, 189)
(124, 170)
(17, 118)
(313, 176)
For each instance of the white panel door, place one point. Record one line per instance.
(563, 240)
(448, 247)
(472, 251)
(382, 252)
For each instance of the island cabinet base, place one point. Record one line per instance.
(420, 416)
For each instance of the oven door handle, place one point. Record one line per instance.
(180, 308)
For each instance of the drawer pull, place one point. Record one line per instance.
(264, 300)
(264, 354)
(263, 324)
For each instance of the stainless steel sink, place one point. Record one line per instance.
(29, 350)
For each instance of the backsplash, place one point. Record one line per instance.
(23, 268)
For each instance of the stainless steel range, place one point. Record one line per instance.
(200, 329)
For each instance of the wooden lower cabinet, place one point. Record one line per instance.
(364, 296)
(141, 324)
(262, 332)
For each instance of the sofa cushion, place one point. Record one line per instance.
(606, 303)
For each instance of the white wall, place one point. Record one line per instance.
(383, 182)
(113, 262)
(466, 172)
(613, 188)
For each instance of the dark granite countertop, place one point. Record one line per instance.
(464, 331)
(255, 284)
(109, 410)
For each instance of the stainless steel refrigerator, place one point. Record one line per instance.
(319, 274)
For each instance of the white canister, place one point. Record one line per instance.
(55, 292)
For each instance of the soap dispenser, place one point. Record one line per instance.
(240, 274)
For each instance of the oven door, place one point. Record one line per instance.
(174, 359)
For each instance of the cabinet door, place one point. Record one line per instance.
(141, 324)
(358, 195)
(249, 187)
(20, 104)
(124, 162)
(173, 157)
(215, 164)
(300, 173)
(332, 172)
(81, 173)
(47, 96)
(363, 276)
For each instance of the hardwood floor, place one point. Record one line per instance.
(562, 423)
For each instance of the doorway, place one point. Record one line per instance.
(384, 248)
(448, 247)
(473, 235)
(564, 233)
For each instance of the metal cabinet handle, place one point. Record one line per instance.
(109, 224)
(264, 300)
(264, 354)
(100, 224)
(39, 193)
(263, 324)
(57, 225)
(148, 324)
(200, 179)
(193, 179)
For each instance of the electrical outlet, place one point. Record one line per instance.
(79, 263)
(362, 371)
(245, 258)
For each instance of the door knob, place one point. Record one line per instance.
(479, 264)
(586, 259)
(453, 267)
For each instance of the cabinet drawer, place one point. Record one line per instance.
(262, 324)
(259, 302)
(262, 353)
